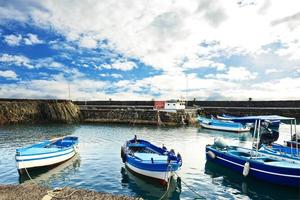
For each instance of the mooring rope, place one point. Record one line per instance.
(191, 189)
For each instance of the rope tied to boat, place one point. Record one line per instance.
(191, 189)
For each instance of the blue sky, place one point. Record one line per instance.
(142, 50)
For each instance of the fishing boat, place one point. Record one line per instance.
(272, 122)
(280, 150)
(255, 163)
(148, 160)
(47, 153)
(221, 125)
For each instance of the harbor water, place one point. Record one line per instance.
(98, 165)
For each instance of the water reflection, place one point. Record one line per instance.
(47, 175)
(148, 189)
(226, 178)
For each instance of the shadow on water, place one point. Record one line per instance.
(46, 175)
(149, 189)
(249, 186)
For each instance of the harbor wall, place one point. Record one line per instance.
(38, 111)
(14, 111)
(289, 108)
(140, 116)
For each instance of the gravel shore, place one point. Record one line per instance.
(32, 192)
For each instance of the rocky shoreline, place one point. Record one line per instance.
(38, 111)
(33, 192)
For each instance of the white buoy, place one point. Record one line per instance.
(246, 169)
(211, 154)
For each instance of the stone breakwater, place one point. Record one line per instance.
(38, 111)
(140, 116)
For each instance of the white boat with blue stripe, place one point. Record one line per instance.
(148, 160)
(46, 153)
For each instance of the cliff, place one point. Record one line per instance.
(38, 111)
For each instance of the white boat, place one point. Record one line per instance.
(46, 153)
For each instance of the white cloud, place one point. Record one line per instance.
(32, 39)
(9, 74)
(111, 75)
(88, 42)
(13, 40)
(235, 74)
(271, 71)
(18, 60)
(16, 40)
(119, 65)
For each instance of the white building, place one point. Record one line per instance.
(174, 105)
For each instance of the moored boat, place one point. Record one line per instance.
(47, 153)
(265, 164)
(148, 160)
(221, 125)
(256, 165)
(272, 121)
(281, 150)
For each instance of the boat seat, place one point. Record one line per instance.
(148, 156)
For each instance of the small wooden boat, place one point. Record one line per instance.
(46, 153)
(221, 125)
(148, 160)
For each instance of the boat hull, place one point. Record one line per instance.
(228, 129)
(160, 176)
(44, 160)
(261, 171)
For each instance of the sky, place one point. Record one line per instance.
(150, 49)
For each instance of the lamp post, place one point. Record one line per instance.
(186, 88)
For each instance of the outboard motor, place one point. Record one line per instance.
(267, 136)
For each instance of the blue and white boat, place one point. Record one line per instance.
(46, 153)
(257, 165)
(272, 120)
(281, 150)
(262, 164)
(146, 159)
(221, 125)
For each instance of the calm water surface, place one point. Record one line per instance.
(98, 165)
